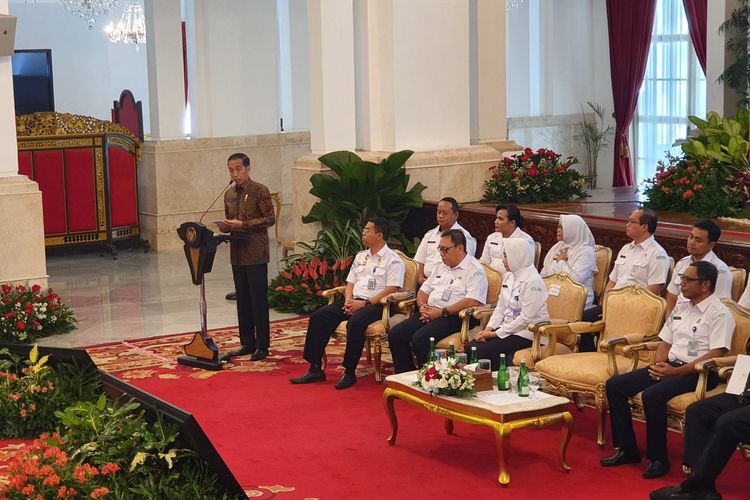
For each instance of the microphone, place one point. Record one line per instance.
(212, 203)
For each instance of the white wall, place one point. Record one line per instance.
(300, 64)
(89, 72)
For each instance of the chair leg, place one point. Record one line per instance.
(378, 364)
(368, 347)
(601, 410)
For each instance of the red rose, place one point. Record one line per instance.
(533, 171)
(697, 187)
(35, 288)
(688, 194)
(20, 325)
(6, 288)
(431, 374)
(20, 288)
(29, 308)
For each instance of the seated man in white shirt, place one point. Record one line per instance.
(745, 299)
(457, 283)
(700, 244)
(427, 255)
(508, 224)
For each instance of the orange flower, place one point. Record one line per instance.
(28, 489)
(110, 467)
(52, 480)
(99, 492)
(688, 194)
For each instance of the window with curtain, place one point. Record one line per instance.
(673, 88)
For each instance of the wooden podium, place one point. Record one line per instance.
(200, 250)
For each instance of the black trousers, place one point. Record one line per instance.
(713, 428)
(251, 285)
(588, 342)
(412, 335)
(323, 323)
(492, 348)
(656, 394)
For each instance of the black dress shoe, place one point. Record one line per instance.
(678, 492)
(231, 296)
(242, 351)
(621, 458)
(656, 468)
(347, 380)
(309, 377)
(259, 354)
(663, 493)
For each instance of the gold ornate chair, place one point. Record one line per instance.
(738, 282)
(286, 245)
(376, 335)
(461, 338)
(601, 277)
(565, 305)
(631, 315)
(676, 406)
(537, 254)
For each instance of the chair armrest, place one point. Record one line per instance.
(725, 372)
(633, 349)
(331, 293)
(608, 346)
(723, 365)
(554, 330)
(397, 297)
(584, 327)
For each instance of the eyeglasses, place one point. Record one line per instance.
(686, 279)
(445, 249)
(632, 221)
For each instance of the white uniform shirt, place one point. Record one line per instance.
(447, 285)
(723, 281)
(580, 266)
(643, 264)
(372, 273)
(693, 330)
(523, 300)
(428, 253)
(492, 254)
(745, 299)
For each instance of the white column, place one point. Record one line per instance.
(165, 73)
(489, 90)
(8, 149)
(332, 108)
(415, 70)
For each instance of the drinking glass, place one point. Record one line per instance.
(484, 364)
(513, 374)
(441, 354)
(461, 358)
(535, 381)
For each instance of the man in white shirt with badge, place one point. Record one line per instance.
(700, 245)
(375, 273)
(699, 328)
(427, 255)
(508, 224)
(458, 282)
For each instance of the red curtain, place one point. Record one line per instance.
(697, 14)
(630, 24)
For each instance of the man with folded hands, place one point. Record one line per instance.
(699, 328)
(376, 272)
(458, 282)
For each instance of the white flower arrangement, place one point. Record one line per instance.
(444, 377)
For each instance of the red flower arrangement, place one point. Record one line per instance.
(29, 313)
(534, 176)
(299, 288)
(43, 470)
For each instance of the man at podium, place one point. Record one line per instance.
(249, 212)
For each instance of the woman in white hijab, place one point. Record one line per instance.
(522, 300)
(573, 254)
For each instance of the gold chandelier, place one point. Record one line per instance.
(131, 28)
(88, 10)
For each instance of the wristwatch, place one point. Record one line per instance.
(445, 312)
(367, 302)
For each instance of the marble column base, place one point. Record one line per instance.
(447, 172)
(178, 180)
(22, 257)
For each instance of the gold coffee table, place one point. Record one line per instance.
(501, 411)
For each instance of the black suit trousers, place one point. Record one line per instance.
(251, 285)
(412, 335)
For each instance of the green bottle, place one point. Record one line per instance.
(474, 358)
(523, 380)
(451, 351)
(431, 355)
(503, 379)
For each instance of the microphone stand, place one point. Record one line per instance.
(200, 221)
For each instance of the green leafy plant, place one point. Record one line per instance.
(534, 176)
(27, 314)
(722, 140)
(737, 29)
(31, 391)
(594, 137)
(299, 289)
(343, 239)
(698, 187)
(359, 190)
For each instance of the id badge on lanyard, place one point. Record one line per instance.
(693, 343)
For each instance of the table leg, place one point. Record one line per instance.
(502, 441)
(567, 432)
(388, 399)
(448, 426)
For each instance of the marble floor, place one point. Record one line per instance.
(141, 295)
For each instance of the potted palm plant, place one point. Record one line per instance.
(594, 137)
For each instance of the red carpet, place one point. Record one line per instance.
(297, 442)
